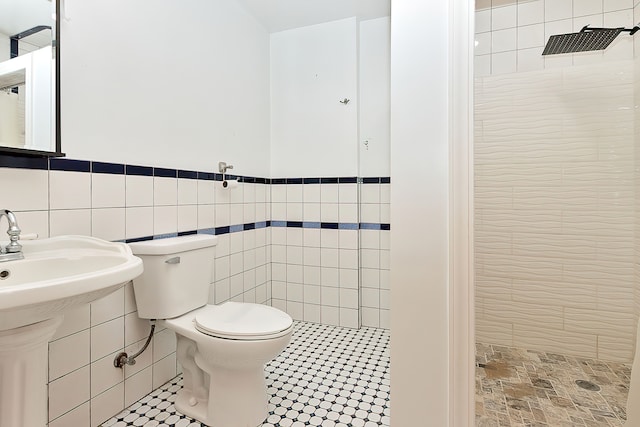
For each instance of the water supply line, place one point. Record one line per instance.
(124, 359)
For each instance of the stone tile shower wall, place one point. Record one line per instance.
(554, 203)
(98, 199)
(511, 34)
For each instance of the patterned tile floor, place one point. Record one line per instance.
(517, 387)
(328, 376)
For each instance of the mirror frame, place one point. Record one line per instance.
(58, 136)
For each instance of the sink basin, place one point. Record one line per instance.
(55, 275)
(60, 273)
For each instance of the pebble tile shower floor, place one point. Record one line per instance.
(518, 387)
(328, 376)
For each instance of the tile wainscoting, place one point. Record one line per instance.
(312, 246)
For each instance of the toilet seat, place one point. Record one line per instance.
(242, 321)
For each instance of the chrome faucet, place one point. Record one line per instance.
(13, 250)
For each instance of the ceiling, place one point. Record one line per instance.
(280, 15)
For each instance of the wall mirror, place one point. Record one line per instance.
(29, 77)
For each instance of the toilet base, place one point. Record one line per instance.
(237, 398)
(224, 379)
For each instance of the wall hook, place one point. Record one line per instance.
(345, 101)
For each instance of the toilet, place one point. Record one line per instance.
(222, 348)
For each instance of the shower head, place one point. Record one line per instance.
(588, 39)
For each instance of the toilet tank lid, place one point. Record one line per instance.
(172, 245)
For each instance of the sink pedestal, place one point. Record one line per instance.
(55, 275)
(24, 373)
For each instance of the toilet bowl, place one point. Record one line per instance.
(233, 392)
(222, 348)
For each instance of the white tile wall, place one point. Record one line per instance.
(85, 388)
(374, 256)
(511, 34)
(315, 272)
(554, 207)
(311, 266)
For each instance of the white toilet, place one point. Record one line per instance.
(222, 348)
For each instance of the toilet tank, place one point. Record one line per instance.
(177, 274)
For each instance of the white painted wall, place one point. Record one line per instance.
(5, 47)
(312, 69)
(374, 69)
(166, 84)
(419, 212)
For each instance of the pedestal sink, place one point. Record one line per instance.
(55, 275)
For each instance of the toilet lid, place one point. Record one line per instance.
(242, 321)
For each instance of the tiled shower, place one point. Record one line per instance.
(555, 179)
(555, 195)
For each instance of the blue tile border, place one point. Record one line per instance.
(17, 162)
(374, 226)
(332, 180)
(138, 239)
(236, 228)
(330, 225)
(74, 165)
(187, 174)
(348, 180)
(370, 180)
(164, 236)
(165, 173)
(208, 176)
(69, 165)
(328, 180)
(139, 170)
(109, 168)
(222, 230)
(348, 226)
